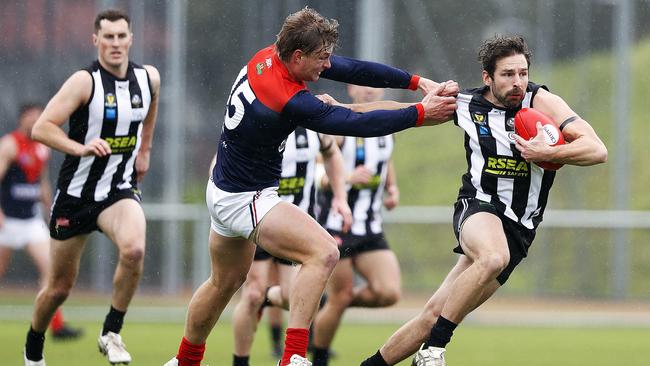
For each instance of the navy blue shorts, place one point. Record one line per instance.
(72, 216)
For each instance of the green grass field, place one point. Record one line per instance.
(154, 344)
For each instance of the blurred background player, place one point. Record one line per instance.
(297, 185)
(111, 108)
(25, 184)
(371, 183)
(496, 215)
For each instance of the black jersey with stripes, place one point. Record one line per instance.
(365, 200)
(299, 169)
(496, 172)
(114, 112)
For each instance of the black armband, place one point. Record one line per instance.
(567, 121)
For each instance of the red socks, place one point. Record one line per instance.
(57, 321)
(190, 354)
(295, 344)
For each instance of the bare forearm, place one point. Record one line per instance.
(335, 174)
(53, 136)
(581, 152)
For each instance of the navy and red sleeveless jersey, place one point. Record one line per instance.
(266, 105)
(21, 185)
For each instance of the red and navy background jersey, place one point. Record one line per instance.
(266, 105)
(21, 185)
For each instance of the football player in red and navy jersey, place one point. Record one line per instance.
(268, 100)
(24, 187)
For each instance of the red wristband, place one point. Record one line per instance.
(415, 79)
(420, 119)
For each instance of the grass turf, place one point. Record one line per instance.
(154, 344)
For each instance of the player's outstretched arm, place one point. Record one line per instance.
(584, 147)
(74, 93)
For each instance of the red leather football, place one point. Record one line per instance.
(526, 126)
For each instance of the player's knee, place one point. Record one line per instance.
(328, 255)
(58, 294)
(388, 296)
(341, 297)
(132, 254)
(494, 263)
(253, 294)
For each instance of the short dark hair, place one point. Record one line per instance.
(498, 47)
(111, 15)
(308, 31)
(25, 107)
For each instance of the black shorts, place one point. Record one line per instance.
(519, 237)
(72, 216)
(262, 255)
(351, 245)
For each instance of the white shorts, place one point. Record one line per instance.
(237, 214)
(17, 233)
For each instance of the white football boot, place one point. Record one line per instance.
(297, 360)
(172, 362)
(112, 346)
(33, 363)
(432, 356)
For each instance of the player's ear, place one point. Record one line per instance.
(487, 80)
(95, 39)
(297, 56)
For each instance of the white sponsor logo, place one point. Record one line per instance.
(26, 191)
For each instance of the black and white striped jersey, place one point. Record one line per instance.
(299, 169)
(114, 113)
(496, 172)
(365, 200)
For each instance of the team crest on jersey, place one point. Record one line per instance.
(510, 124)
(301, 141)
(260, 68)
(110, 101)
(478, 117)
(136, 101)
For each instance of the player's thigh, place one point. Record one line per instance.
(341, 282)
(482, 234)
(124, 223)
(5, 258)
(380, 268)
(258, 274)
(230, 257)
(40, 253)
(65, 256)
(288, 232)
